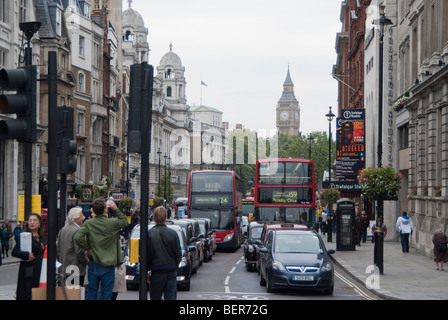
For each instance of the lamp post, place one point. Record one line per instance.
(379, 238)
(310, 138)
(159, 153)
(330, 115)
(164, 178)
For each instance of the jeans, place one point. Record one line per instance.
(404, 242)
(100, 274)
(163, 283)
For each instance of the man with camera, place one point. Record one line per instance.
(99, 236)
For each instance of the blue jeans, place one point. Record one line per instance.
(100, 274)
(163, 283)
(404, 242)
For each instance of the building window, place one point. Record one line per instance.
(80, 131)
(403, 134)
(22, 10)
(81, 82)
(168, 92)
(168, 74)
(82, 41)
(3, 55)
(58, 22)
(3, 14)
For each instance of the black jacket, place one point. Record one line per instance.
(164, 253)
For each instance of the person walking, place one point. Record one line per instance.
(164, 255)
(5, 235)
(31, 262)
(365, 224)
(405, 227)
(358, 229)
(99, 236)
(440, 240)
(69, 253)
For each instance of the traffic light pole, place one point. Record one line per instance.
(52, 79)
(28, 151)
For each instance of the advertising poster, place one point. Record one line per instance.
(350, 143)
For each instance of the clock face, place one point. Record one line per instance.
(297, 115)
(284, 115)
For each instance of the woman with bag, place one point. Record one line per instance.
(439, 239)
(31, 262)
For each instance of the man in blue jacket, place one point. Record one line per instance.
(405, 227)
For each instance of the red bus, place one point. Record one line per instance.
(285, 191)
(212, 194)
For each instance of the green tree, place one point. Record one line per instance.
(160, 192)
(299, 147)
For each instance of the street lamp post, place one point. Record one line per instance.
(310, 138)
(164, 178)
(330, 115)
(379, 237)
(159, 153)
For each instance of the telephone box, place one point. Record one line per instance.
(345, 236)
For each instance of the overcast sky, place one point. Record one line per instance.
(241, 49)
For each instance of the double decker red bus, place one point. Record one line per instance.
(285, 191)
(212, 194)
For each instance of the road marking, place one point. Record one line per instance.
(355, 287)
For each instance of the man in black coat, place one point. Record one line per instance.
(164, 256)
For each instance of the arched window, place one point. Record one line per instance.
(168, 92)
(168, 74)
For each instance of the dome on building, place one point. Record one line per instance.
(171, 59)
(133, 19)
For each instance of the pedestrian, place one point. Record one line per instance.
(383, 229)
(323, 226)
(70, 255)
(31, 262)
(17, 231)
(440, 240)
(365, 224)
(164, 255)
(5, 235)
(319, 217)
(99, 236)
(405, 227)
(358, 229)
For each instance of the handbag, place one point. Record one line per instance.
(442, 247)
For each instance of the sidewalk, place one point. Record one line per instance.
(410, 276)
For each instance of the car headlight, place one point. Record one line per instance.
(326, 267)
(228, 237)
(276, 265)
(183, 262)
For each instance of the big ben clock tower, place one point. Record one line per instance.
(288, 109)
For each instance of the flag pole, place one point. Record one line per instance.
(201, 95)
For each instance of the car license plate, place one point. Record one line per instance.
(303, 278)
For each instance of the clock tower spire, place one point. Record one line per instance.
(288, 109)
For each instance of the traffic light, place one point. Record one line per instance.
(66, 146)
(140, 105)
(23, 103)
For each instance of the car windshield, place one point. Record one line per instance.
(221, 219)
(297, 243)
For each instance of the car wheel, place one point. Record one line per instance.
(269, 288)
(329, 291)
(262, 280)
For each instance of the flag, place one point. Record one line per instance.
(203, 84)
